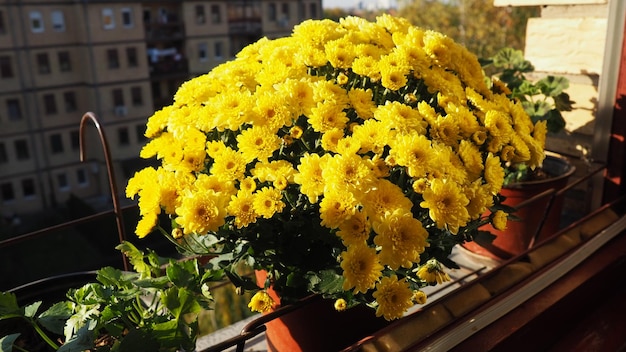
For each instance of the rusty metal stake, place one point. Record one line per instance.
(112, 184)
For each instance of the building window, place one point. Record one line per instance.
(69, 98)
(136, 96)
(285, 12)
(50, 104)
(203, 52)
(58, 21)
(62, 182)
(219, 50)
(43, 63)
(14, 109)
(313, 10)
(56, 143)
(3, 27)
(64, 61)
(6, 189)
(75, 140)
(127, 17)
(28, 188)
(271, 12)
(36, 22)
(118, 97)
(21, 149)
(122, 136)
(81, 177)
(112, 58)
(131, 56)
(199, 10)
(6, 69)
(216, 14)
(4, 158)
(108, 19)
(140, 133)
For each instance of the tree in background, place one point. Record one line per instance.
(483, 28)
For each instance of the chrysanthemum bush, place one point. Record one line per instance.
(347, 159)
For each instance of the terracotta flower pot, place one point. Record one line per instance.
(317, 326)
(519, 235)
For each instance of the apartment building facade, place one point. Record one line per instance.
(120, 60)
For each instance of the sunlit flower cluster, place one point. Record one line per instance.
(353, 151)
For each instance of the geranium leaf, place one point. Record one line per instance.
(8, 305)
(6, 342)
(182, 273)
(81, 341)
(55, 317)
(139, 340)
(31, 309)
(330, 282)
(552, 86)
(180, 301)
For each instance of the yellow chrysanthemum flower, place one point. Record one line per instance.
(383, 198)
(241, 206)
(309, 175)
(446, 204)
(401, 238)
(257, 143)
(355, 230)
(393, 296)
(361, 101)
(415, 152)
(420, 297)
(261, 302)
(499, 220)
(432, 273)
(229, 165)
(361, 268)
(340, 305)
(268, 201)
(494, 173)
(201, 211)
(336, 207)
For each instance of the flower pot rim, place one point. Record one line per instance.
(552, 156)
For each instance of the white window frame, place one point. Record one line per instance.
(108, 18)
(129, 11)
(36, 17)
(58, 20)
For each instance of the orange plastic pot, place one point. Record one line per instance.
(317, 326)
(521, 234)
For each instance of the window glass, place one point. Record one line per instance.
(14, 109)
(203, 54)
(69, 98)
(108, 19)
(3, 28)
(271, 12)
(21, 149)
(6, 191)
(56, 143)
(28, 187)
(62, 182)
(4, 157)
(43, 63)
(123, 137)
(6, 68)
(199, 10)
(136, 96)
(81, 177)
(219, 50)
(216, 14)
(50, 104)
(36, 22)
(127, 17)
(75, 140)
(113, 58)
(58, 21)
(65, 65)
(131, 56)
(118, 97)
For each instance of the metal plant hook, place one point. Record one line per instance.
(112, 184)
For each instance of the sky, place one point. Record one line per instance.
(327, 4)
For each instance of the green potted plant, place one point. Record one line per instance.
(544, 100)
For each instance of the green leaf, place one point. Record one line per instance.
(511, 58)
(556, 122)
(31, 309)
(135, 257)
(563, 102)
(180, 301)
(8, 305)
(330, 282)
(109, 276)
(174, 334)
(182, 273)
(6, 342)
(55, 317)
(83, 340)
(484, 238)
(552, 86)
